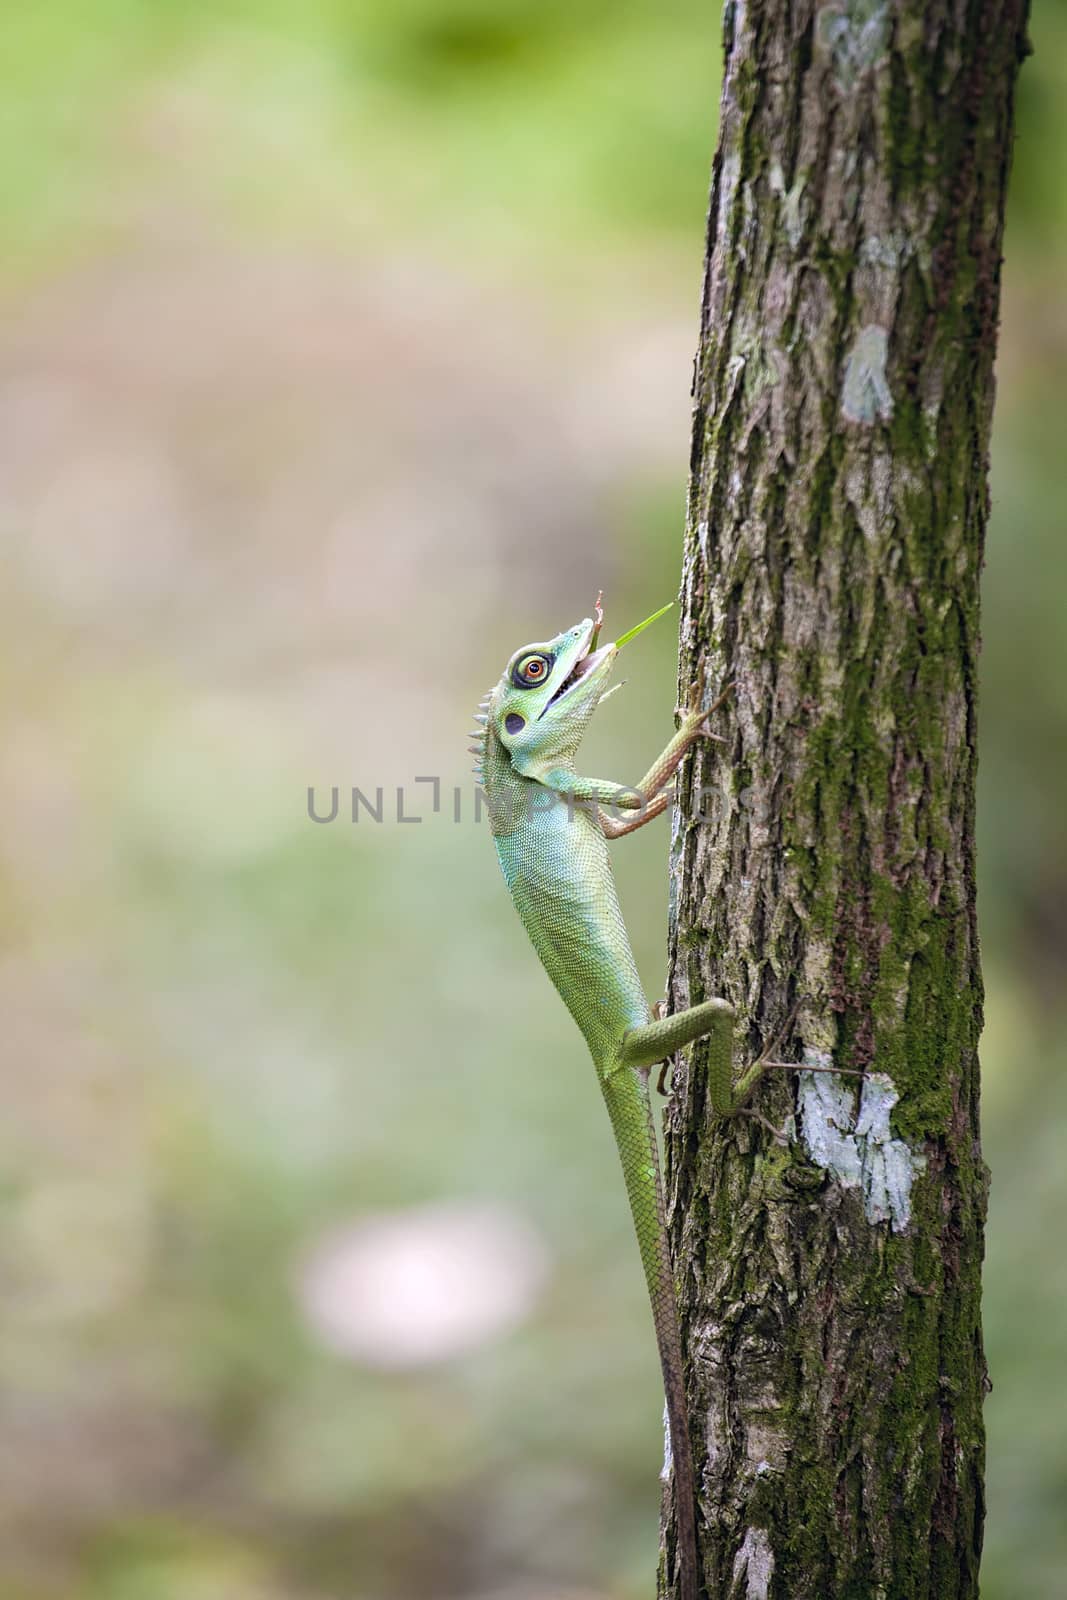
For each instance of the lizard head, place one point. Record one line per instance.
(549, 690)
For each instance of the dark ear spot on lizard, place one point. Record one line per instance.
(514, 723)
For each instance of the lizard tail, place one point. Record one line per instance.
(626, 1095)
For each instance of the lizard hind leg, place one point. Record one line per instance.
(651, 1043)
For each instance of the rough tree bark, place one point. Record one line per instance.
(843, 396)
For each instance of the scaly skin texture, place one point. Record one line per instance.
(551, 828)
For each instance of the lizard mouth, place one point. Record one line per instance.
(585, 664)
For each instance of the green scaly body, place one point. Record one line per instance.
(551, 828)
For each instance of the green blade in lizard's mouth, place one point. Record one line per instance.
(641, 626)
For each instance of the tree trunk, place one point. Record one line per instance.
(824, 857)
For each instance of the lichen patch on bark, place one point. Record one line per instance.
(865, 395)
(856, 1145)
(753, 1567)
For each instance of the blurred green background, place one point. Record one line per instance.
(343, 348)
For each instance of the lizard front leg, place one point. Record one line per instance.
(616, 827)
(694, 726)
(648, 792)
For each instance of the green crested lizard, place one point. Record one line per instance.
(551, 828)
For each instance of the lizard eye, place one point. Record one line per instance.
(531, 671)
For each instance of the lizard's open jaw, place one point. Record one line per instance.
(587, 662)
(590, 658)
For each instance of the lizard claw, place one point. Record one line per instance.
(696, 689)
(695, 715)
(694, 699)
(659, 1011)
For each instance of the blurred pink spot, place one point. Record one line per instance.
(407, 1289)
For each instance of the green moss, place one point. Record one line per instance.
(837, 267)
(906, 165)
